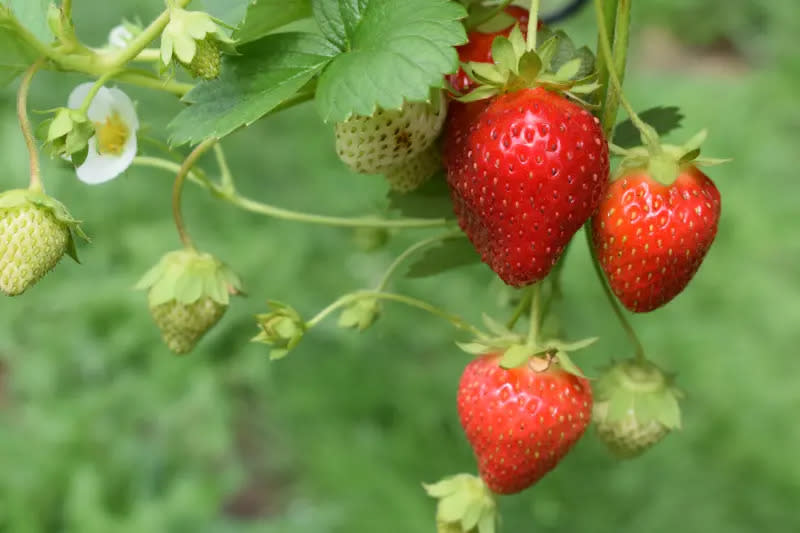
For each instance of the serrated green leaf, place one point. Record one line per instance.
(663, 119)
(15, 55)
(450, 254)
(396, 50)
(268, 72)
(264, 16)
(231, 12)
(432, 200)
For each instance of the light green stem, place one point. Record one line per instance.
(177, 189)
(347, 299)
(25, 125)
(535, 318)
(87, 101)
(533, 23)
(296, 216)
(621, 36)
(226, 177)
(523, 305)
(411, 250)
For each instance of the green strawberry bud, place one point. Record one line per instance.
(188, 293)
(207, 59)
(370, 239)
(635, 407)
(35, 232)
(361, 314)
(282, 329)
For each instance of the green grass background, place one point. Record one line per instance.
(102, 430)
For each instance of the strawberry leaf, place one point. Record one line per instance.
(31, 15)
(450, 254)
(391, 51)
(663, 119)
(263, 16)
(267, 73)
(16, 55)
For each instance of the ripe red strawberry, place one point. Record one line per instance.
(525, 172)
(520, 422)
(651, 238)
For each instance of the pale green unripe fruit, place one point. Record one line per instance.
(183, 325)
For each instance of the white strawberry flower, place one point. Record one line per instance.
(113, 146)
(120, 36)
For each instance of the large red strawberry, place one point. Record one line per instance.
(651, 237)
(525, 172)
(519, 421)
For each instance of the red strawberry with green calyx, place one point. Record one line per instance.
(521, 414)
(529, 168)
(656, 223)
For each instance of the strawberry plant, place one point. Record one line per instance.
(495, 133)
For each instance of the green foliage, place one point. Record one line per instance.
(391, 51)
(448, 254)
(664, 119)
(264, 16)
(267, 73)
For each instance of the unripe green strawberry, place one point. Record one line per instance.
(188, 293)
(207, 59)
(414, 172)
(182, 325)
(34, 235)
(636, 406)
(371, 145)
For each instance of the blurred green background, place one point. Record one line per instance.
(103, 430)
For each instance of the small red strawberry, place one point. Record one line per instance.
(651, 237)
(525, 174)
(520, 421)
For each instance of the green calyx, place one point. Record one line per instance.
(637, 391)
(361, 314)
(466, 505)
(21, 198)
(187, 276)
(67, 134)
(555, 65)
(663, 162)
(282, 329)
(519, 351)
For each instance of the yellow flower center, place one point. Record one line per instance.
(111, 135)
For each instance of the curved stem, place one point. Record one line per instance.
(25, 125)
(622, 18)
(535, 319)
(170, 166)
(342, 222)
(177, 189)
(533, 23)
(87, 101)
(226, 182)
(148, 81)
(347, 299)
(649, 135)
(411, 250)
(612, 300)
(286, 214)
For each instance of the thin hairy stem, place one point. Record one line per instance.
(177, 189)
(25, 125)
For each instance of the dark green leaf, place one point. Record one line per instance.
(268, 72)
(664, 119)
(231, 12)
(452, 253)
(15, 55)
(432, 200)
(32, 15)
(396, 50)
(263, 16)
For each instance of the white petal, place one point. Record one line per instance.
(101, 105)
(122, 104)
(100, 168)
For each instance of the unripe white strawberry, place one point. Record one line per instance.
(35, 232)
(414, 172)
(188, 293)
(371, 145)
(635, 407)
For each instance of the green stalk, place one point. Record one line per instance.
(411, 250)
(25, 125)
(620, 54)
(536, 314)
(533, 22)
(177, 189)
(609, 20)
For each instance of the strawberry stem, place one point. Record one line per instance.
(620, 39)
(533, 22)
(649, 135)
(536, 310)
(523, 305)
(177, 189)
(25, 125)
